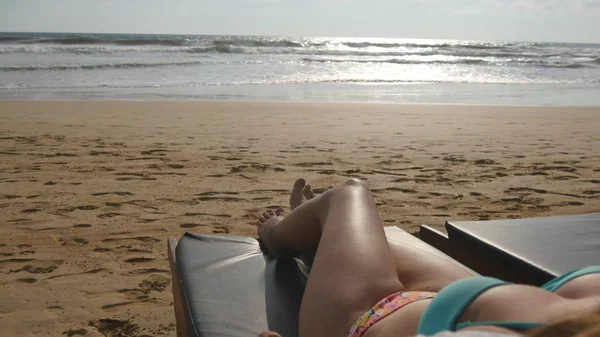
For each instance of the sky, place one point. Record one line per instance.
(512, 20)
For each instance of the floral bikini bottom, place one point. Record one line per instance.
(385, 307)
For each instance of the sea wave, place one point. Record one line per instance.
(398, 61)
(12, 38)
(175, 41)
(97, 66)
(120, 42)
(562, 65)
(223, 48)
(263, 43)
(211, 46)
(484, 46)
(467, 61)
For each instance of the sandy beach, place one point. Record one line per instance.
(90, 191)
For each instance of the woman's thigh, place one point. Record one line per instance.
(422, 270)
(353, 267)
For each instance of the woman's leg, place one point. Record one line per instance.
(416, 268)
(353, 266)
(420, 270)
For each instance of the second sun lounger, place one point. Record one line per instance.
(532, 250)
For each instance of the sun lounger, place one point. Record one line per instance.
(225, 286)
(531, 251)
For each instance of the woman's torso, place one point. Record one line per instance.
(505, 303)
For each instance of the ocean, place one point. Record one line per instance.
(61, 66)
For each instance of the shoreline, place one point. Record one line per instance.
(92, 190)
(486, 94)
(283, 102)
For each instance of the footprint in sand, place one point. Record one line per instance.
(120, 305)
(189, 225)
(140, 260)
(112, 193)
(136, 250)
(485, 162)
(455, 159)
(31, 210)
(207, 214)
(592, 193)
(114, 327)
(27, 280)
(221, 229)
(129, 294)
(54, 309)
(147, 271)
(86, 208)
(32, 266)
(102, 250)
(108, 215)
(477, 195)
(137, 238)
(398, 189)
(527, 190)
(155, 283)
(262, 198)
(77, 277)
(80, 241)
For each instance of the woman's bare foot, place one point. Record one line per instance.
(308, 192)
(266, 222)
(296, 198)
(301, 192)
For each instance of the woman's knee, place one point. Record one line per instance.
(350, 188)
(357, 188)
(355, 183)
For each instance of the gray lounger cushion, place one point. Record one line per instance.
(231, 289)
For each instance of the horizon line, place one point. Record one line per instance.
(300, 36)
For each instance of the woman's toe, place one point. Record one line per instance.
(296, 196)
(308, 192)
(269, 334)
(279, 211)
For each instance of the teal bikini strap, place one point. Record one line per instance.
(447, 306)
(558, 282)
(507, 324)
